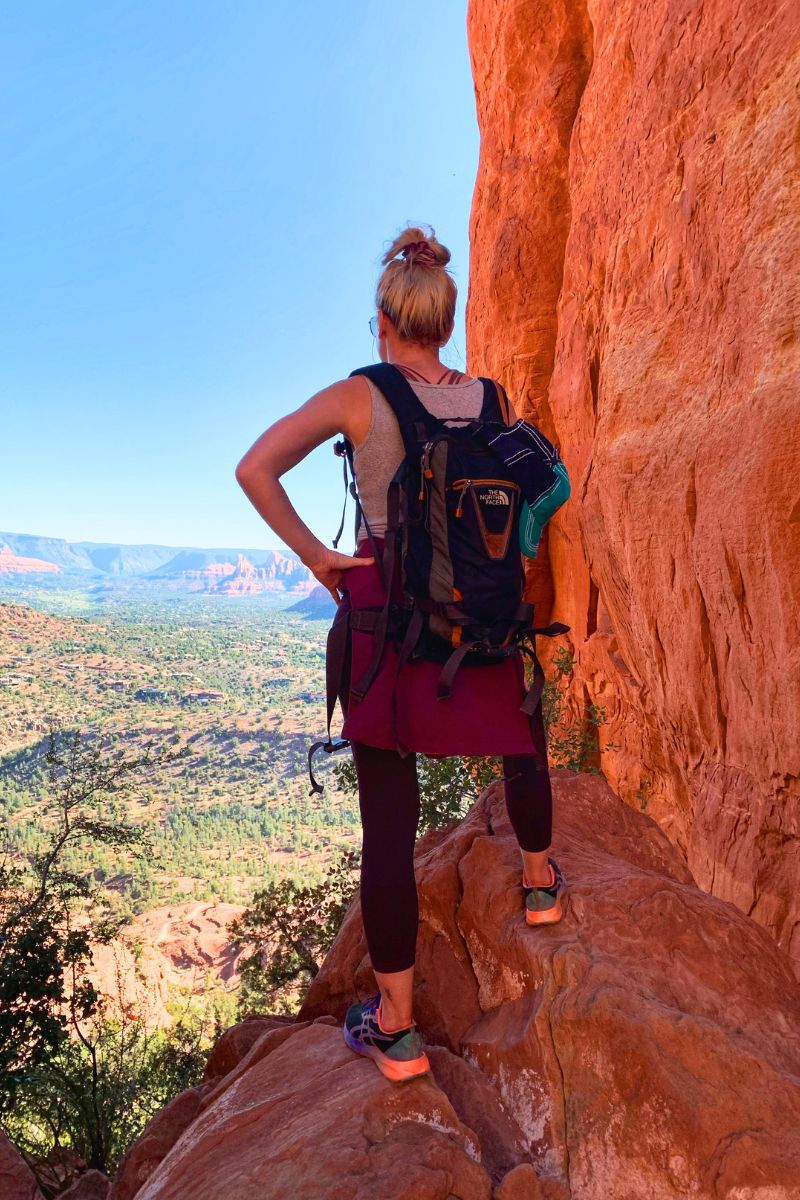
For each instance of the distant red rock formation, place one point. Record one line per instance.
(243, 578)
(11, 563)
(633, 272)
(163, 951)
(284, 574)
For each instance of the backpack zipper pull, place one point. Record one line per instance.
(425, 469)
(460, 506)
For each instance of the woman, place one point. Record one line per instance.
(415, 300)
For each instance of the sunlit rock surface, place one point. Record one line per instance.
(634, 284)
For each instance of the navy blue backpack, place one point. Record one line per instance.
(452, 541)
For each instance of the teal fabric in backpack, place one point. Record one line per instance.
(536, 465)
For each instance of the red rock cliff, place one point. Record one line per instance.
(633, 283)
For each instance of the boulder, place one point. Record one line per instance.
(313, 1120)
(232, 1046)
(92, 1185)
(16, 1178)
(154, 1143)
(648, 1045)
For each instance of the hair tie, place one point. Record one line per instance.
(422, 252)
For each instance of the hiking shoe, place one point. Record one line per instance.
(542, 904)
(399, 1055)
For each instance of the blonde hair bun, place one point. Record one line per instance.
(421, 302)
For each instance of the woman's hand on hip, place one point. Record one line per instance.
(330, 566)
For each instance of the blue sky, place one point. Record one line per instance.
(194, 199)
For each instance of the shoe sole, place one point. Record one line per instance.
(547, 916)
(396, 1072)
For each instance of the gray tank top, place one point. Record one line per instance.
(377, 458)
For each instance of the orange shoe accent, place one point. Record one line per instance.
(549, 917)
(398, 1072)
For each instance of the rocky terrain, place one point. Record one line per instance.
(647, 1046)
(172, 950)
(633, 284)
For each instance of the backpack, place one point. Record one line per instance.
(452, 544)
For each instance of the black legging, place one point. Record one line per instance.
(388, 795)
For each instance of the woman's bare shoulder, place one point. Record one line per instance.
(349, 401)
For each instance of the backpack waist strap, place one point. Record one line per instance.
(336, 681)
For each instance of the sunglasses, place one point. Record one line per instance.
(373, 325)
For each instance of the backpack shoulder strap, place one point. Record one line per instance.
(504, 402)
(492, 409)
(416, 423)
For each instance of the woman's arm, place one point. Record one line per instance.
(337, 409)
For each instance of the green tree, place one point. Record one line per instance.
(44, 949)
(288, 931)
(96, 1092)
(573, 744)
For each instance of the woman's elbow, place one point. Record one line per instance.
(247, 472)
(252, 471)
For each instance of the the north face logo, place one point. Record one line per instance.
(493, 496)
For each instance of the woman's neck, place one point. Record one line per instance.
(423, 365)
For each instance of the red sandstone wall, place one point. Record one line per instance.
(634, 284)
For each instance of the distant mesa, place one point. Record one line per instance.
(109, 567)
(18, 564)
(319, 603)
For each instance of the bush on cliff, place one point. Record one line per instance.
(94, 1095)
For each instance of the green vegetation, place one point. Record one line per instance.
(234, 817)
(96, 1092)
(288, 930)
(572, 742)
(74, 1074)
(50, 913)
(101, 826)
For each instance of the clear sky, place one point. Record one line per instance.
(194, 199)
